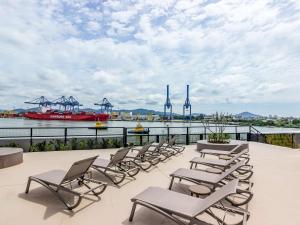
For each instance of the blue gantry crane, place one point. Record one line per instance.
(187, 104)
(168, 106)
(74, 104)
(67, 104)
(41, 102)
(105, 106)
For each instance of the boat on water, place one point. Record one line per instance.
(99, 126)
(139, 129)
(73, 116)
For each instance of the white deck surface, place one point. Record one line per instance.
(276, 190)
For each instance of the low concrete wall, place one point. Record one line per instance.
(204, 144)
(10, 157)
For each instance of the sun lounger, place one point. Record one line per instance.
(221, 165)
(159, 151)
(58, 181)
(227, 155)
(172, 145)
(214, 162)
(142, 158)
(117, 167)
(214, 180)
(202, 176)
(178, 207)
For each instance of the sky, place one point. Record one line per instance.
(236, 55)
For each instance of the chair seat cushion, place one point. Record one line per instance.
(103, 163)
(52, 176)
(172, 201)
(197, 175)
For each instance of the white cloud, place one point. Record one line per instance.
(241, 51)
(93, 26)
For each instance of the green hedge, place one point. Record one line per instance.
(218, 138)
(285, 140)
(76, 144)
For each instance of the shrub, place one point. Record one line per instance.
(41, 146)
(82, 144)
(50, 147)
(115, 143)
(74, 144)
(105, 143)
(33, 148)
(12, 145)
(218, 138)
(91, 143)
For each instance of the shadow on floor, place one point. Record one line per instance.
(44, 197)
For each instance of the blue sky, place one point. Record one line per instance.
(236, 55)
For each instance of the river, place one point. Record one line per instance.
(27, 123)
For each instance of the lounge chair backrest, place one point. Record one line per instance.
(119, 156)
(172, 141)
(237, 156)
(144, 149)
(240, 148)
(78, 169)
(215, 197)
(231, 169)
(160, 144)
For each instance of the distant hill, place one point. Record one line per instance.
(26, 110)
(248, 115)
(141, 111)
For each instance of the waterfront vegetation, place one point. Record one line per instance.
(283, 122)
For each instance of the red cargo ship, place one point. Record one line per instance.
(53, 115)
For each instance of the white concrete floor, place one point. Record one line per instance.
(276, 190)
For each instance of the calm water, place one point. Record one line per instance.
(23, 123)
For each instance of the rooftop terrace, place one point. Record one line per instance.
(276, 190)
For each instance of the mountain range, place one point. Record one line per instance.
(141, 111)
(248, 115)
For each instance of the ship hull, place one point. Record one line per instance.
(67, 116)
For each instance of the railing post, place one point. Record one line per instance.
(201, 136)
(187, 140)
(238, 136)
(168, 133)
(141, 140)
(157, 138)
(96, 134)
(66, 134)
(148, 136)
(31, 133)
(249, 136)
(205, 133)
(124, 137)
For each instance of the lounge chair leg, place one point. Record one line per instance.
(28, 185)
(132, 212)
(171, 183)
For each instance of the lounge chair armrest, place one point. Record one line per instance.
(135, 149)
(241, 203)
